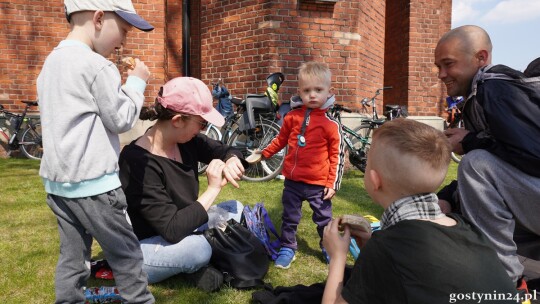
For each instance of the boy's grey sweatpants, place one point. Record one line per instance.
(494, 196)
(103, 217)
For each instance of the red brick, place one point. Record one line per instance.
(228, 40)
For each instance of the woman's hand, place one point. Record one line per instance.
(214, 174)
(233, 171)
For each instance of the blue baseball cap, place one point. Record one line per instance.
(123, 8)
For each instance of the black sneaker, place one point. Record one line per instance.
(207, 278)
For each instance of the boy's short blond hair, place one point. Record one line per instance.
(410, 156)
(316, 70)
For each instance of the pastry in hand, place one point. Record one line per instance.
(128, 63)
(355, 222)
(254, 158)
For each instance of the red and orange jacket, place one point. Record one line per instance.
(320, 161)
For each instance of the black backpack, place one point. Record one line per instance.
(533, 69)
(239, 254)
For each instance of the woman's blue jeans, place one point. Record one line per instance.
(163, 259)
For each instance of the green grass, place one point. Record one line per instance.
(29, 238)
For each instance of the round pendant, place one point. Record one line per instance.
(301, 141)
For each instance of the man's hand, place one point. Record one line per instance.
(455, 136)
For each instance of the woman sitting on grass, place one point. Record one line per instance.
(159, 176)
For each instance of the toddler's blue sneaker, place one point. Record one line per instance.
(325, 255)
(285, 257)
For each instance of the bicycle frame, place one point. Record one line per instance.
(358, 154)
(371, 102)
(349, 143)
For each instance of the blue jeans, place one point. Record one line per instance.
(163, 260)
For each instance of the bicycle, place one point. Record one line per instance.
(251, 127)
(358, 140)
(28, 139)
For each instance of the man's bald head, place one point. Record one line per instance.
(459, 55)
(469, 38)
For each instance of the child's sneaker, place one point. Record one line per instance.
(285, 257)
(325, 255)
(523, 291)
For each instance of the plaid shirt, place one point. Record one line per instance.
(420, 206)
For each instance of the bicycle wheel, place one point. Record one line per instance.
(30, 143)
(361, 146)
(213, 133)
(259, 138)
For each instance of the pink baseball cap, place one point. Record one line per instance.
(188, 95)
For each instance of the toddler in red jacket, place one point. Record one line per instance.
(313, 165)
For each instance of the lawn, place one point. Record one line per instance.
(29, 238)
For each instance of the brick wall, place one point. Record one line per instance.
(428, 22)
(30, 29)
(410, 69)
(396, 56)
(365, 43)
(245, 41)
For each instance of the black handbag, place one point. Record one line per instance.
(239, 254)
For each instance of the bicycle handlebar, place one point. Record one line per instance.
(365, 102)
(338, 107)
(382, 89)
(346, 110)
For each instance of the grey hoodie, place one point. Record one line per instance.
(83, 108)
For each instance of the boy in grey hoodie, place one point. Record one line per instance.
(83, 108)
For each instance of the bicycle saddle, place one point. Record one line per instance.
(392, 107)
(237, 101)
(378, 122)
(30, 102)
